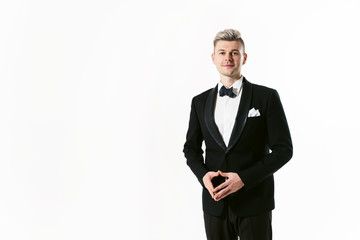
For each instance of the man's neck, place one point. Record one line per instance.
(229, 81)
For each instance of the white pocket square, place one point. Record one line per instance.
(254, 113)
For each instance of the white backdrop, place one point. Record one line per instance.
(95, 100)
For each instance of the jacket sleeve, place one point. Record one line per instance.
(193, 146)
(279, 141)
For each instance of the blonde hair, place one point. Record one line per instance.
(229, 35)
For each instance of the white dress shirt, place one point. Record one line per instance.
(226, 109)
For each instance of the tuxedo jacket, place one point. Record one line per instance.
(257, 148)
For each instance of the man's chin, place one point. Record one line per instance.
(232, 75)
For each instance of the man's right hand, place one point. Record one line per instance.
(207, 181)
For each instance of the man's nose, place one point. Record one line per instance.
(228, 57)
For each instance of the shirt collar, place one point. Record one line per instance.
(236, 86)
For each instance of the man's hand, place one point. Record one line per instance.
(207, 181)
(232, 184)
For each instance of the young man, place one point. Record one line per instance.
(247, 140)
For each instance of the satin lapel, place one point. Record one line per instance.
(242, 114)
(209, 118)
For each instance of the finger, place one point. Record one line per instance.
(215, 174)
(219, 194)
(224, 174)
(209, 185)
(222, 194)
(211, 194)
(211, 175)
(221, 186)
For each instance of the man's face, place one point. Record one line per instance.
(228, 58)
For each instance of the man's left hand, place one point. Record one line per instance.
(232, 184)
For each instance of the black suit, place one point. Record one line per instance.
(248, 152)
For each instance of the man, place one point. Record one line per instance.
(247, 140)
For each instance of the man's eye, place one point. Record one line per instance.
(235, 53)
(221, 53)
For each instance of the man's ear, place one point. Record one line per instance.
(245, 57)
(212, 57)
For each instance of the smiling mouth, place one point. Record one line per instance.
(228, 65)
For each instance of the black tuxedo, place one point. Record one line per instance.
(258, 147)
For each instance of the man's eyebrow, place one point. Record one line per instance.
(230, 50)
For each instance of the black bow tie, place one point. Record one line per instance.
(226, 91)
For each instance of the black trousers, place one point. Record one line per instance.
(230, 227)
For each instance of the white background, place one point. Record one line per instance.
(95, 100)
